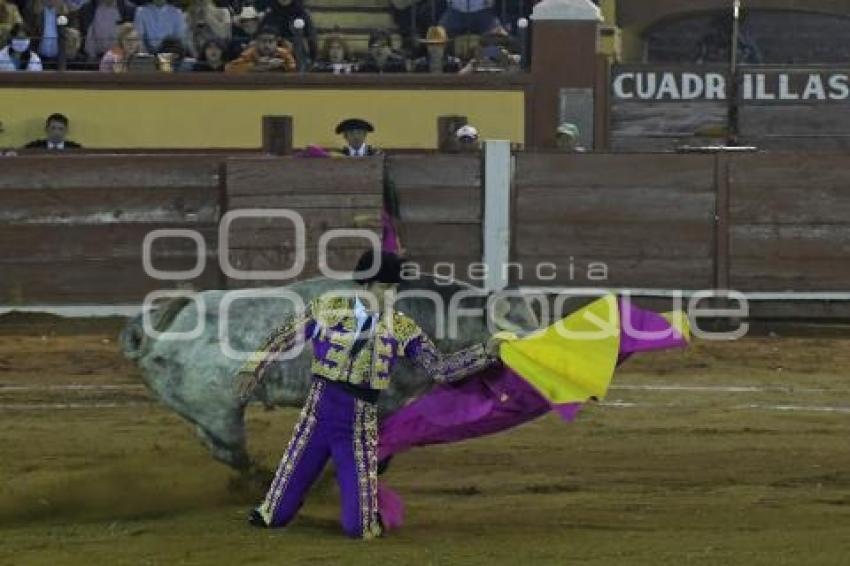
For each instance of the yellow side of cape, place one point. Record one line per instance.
(574, 359)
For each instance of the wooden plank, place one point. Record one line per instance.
(434, 170)
(815, 204)
(768, 171)
(340, 259)
(263, 232)
(259, 176)
(451, 204)
(790, 242)
(801, 143)
(794, 120)
(107, 172)
(799, 310)
(456, 267)
(576, 270)
(443, 240)
(546, 204)
(307, 201)
(41, 243)
(285, 238)
(644, 118)
(686, 173)
(722, 222)
(623, 241)
(119, 204)
(793, 274)
(93, 281)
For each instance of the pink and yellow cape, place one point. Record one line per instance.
(560, 367)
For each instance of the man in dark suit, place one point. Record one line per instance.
(355, 130)
(56, 128)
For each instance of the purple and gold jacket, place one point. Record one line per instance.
(364, 359)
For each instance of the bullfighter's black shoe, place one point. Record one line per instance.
(255, 519)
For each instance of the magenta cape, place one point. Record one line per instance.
(497, 399)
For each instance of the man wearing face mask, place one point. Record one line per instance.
(18, 54)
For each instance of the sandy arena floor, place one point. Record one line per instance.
(729, 454)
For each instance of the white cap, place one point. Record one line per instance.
(298, 23)
(467, 132)
(248, 13)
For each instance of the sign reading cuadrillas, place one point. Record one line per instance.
(761, 86)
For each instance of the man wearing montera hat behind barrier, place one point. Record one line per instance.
(355, 130)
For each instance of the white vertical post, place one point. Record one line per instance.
(497, 212)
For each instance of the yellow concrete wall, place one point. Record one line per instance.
(232, 118)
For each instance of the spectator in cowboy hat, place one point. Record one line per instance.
(438, 60)
(355, 130)
(246, 25)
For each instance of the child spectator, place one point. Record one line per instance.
(335, 57)
(267, 55)
(437, 60)
(9, 16)
(245, 27)
(128, 44)
(56, 128)
(470, 16)
(18, 54)
(207, 22)
(212, 57)
(281, 15)
(381, 57)
(157, 20)
(99, 22)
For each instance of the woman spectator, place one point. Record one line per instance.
(211, 59)
(9, 16)
(205, 22)
(99, 22)
(18, 55)
(335, 57)
(128, 45)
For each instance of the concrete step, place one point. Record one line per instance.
(347, 4)
(358, 40)
(371, 19)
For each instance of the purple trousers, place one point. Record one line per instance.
(333, 424)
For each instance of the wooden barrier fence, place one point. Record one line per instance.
(72, 227)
